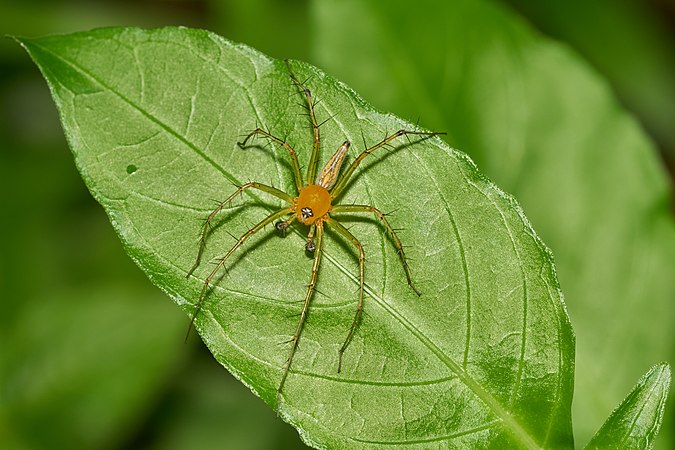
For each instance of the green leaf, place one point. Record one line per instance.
(636, 422)
(484, 357)
(549, 131)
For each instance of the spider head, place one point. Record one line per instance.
(312, 204)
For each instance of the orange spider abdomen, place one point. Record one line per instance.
(312, 204)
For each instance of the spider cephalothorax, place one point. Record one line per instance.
(313, 206)
(314, 201)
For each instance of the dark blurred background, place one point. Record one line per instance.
(91, 354)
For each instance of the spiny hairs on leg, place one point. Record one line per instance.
(337, 226)
(316, 143)
(240, 189)
(397, 242)
(221, 262)
(305, 308)
(342, 183)
(347, 234)
(295, 165)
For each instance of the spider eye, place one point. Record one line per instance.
(306, 213)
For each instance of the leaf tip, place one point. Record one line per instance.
(660, 373)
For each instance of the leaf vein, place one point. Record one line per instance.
(446, 437)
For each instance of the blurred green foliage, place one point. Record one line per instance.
(632, 43)
(61, 266)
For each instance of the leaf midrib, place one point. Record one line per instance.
(511, 424)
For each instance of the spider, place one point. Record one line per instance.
(314, 206)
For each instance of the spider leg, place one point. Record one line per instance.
(359, 308)
(207, 224)
(337, 189)
(221, 262)
(305, 308)
(383, 218)
(294, 157)
(314, 159)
